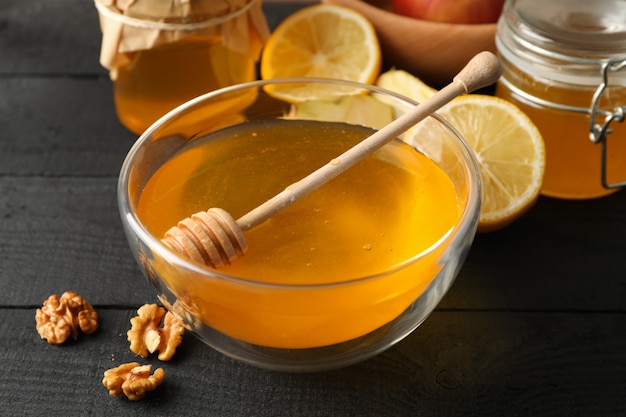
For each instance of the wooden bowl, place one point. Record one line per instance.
(432, 51)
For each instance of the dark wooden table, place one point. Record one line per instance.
(535, 324)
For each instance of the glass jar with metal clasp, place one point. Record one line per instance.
(564, 64)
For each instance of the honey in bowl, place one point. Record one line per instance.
(342, 273)
(354, 226)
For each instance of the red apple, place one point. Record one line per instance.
(450, 11)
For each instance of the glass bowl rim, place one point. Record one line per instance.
(129, 217)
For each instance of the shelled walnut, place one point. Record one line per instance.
(132, 380)
(145, 335)
(62, 317)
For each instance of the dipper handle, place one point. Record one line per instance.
(214, 238)
(481, 71)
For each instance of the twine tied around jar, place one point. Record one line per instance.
(134, 25)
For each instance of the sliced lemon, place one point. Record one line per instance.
(325, 41)
(510, 151)
(404, 83)
(360, 109)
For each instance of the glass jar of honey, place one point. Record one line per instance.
(564, 65)
(162, 53)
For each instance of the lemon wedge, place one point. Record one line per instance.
(510, 151)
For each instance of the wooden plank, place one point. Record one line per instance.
(562, 255)
(59, 234)
(457, 363)
(60, 126)
(49, 37)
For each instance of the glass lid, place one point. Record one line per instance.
(583, 28)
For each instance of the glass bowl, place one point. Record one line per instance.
(340, 275)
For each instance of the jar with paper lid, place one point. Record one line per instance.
(564, 64)
(162, 53)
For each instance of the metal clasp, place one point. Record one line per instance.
(599, 131)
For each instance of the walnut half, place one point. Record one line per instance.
(145, 335)
(62, 317)
(132, 380)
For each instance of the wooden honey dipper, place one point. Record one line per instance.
(214, 238)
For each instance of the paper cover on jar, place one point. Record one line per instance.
(134, 25)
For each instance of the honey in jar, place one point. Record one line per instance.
(162, 53)
(368, 222)
(563, 65)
